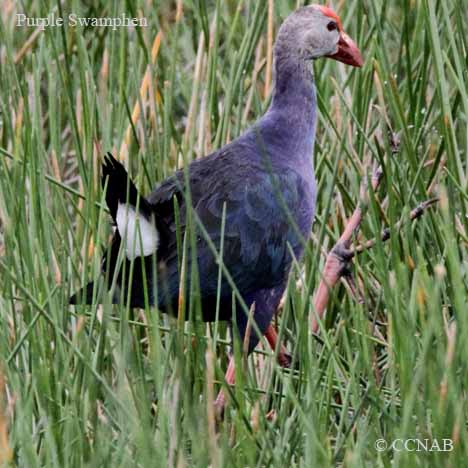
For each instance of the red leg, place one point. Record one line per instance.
(339, 256)
(332, 272)
(230, 378)
(284, 358)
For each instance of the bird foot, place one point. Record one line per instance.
(337, 264)
(284, 359)
(342, 257)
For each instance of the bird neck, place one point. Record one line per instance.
(291, 118)
(293, 84)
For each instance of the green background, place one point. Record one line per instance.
(104, 387)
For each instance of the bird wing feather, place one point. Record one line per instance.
(257, 227)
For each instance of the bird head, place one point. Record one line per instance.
(316, 31)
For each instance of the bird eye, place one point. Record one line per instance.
(331, 26)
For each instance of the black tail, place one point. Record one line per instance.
(120, 188)
(84, 295)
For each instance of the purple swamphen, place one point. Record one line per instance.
(263, 182)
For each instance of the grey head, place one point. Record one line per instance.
(315, 31)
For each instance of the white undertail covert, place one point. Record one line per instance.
(139, 234)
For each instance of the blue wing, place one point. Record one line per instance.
(258, 232)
